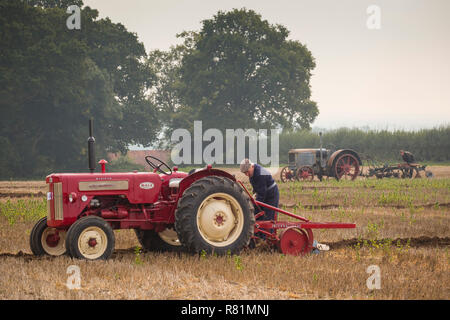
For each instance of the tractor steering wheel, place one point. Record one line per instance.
(158, 167)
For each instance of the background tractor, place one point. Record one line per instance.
(304, 164)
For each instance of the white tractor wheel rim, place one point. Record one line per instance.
(92, 242)
(50, 247)
(170, 236)
(220, 219)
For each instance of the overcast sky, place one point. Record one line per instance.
(395, 77)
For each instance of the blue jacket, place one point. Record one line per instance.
(261, 181)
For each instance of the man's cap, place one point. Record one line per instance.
(245, 165)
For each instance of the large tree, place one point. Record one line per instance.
(165, 94)
(52, 80)
(239, 71)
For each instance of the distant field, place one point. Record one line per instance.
(403, 226)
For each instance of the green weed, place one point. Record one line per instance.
(137, 255)
(24, 210)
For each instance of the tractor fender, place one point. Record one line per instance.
(336, 154)
(208, 171)
(196, 175)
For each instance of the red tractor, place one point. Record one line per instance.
(208, 210)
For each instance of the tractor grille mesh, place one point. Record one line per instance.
(58, 200)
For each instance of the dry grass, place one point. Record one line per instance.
(18, 189)
(407, 273)
(414, 212)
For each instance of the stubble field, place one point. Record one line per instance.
(403, 227)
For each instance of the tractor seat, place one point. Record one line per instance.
(175, 182)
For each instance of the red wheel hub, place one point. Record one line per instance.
(52, 240)
(219, 220)
(305, 174)
(92, 242)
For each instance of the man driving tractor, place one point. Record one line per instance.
(407, 156)
(264, 186)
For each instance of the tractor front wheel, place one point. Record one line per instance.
(305, 173)
(287, 174)
(90, 238)
(215, 215)
(46, 240)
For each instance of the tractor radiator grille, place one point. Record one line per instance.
(58, 200)
(49, 203)
(291, 158)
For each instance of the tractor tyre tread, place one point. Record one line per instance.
(78, 226)
(186, 215)
(35, 235)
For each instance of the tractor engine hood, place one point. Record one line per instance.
(138, 187)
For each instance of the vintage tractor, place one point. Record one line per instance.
(304, 164)
(208, 210)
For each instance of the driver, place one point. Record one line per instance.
(264, 186)
(407, 156)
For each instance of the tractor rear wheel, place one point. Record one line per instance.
(90, 238)
(46, 240)
(214, 215)
(346, 167)
(166, 240)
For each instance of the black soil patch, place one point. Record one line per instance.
(413, 242)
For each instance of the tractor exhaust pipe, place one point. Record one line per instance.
(91, 151)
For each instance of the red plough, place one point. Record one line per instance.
(296, 238)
